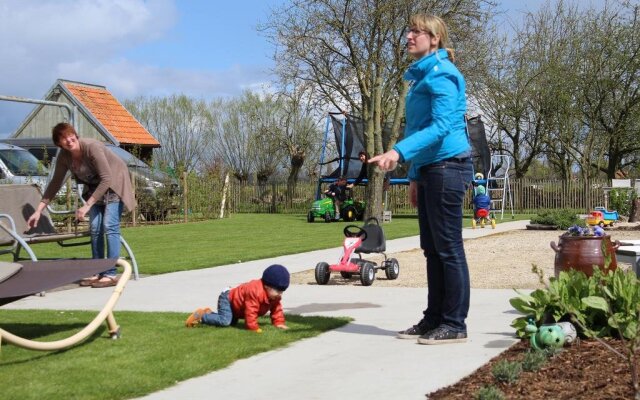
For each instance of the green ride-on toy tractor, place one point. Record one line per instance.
(351, 209)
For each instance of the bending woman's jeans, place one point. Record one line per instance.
(441, 191)
(104, 221)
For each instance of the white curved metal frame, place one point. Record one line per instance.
(106, 314)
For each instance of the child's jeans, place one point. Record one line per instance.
(224, 316)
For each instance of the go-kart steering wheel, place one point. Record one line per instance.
(355, 231)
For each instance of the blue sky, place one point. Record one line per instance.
(202, 48)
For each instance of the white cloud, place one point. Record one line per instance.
(87, 41)
(126, 80)
(69, 29)
(41, 38)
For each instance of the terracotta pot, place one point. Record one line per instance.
(583, 252)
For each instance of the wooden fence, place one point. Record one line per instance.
(202, 198)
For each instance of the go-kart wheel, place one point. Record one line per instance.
(493, 223)
(348, 214)
(392, 269)
(322, 273)
(367, 274)
(346, 275)
(355, 231)
(473, 223)
(601, 224)
(327, 216)
(310, 217)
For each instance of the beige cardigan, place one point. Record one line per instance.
(112, 170)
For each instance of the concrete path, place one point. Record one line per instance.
(362, 360)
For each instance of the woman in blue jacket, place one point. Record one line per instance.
(438, 151)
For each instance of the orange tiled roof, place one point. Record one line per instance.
(111, 114)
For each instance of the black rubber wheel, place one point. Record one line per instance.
(346, 275)
(367, 274)
(322, 273)
(392, 269)
(348, 214)
(327, 217)
(601, 224)
(310, 216)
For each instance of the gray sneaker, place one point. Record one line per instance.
(442, 335)
(415, 331)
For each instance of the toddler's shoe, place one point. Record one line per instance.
(196, 317)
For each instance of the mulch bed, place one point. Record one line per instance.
(585, 370)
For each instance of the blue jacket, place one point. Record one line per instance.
(435, 108)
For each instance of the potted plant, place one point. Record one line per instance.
(582, 248)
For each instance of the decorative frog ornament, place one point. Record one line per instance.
(545, 336)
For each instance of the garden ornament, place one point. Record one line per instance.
(570, 333)
(545, 336)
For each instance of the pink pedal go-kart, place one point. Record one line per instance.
(366, 239)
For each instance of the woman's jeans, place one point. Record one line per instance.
(104, 221)
(224, 316)
(441, 191)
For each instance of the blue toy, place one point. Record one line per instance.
(481, 203)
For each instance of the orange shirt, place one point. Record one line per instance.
(249, 301)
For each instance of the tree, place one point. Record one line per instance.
(353, 54)
(182, 126)
(300, 133)
(247, 131)
(232, 140)
(518, 88)
(566, 89)
(609, 97)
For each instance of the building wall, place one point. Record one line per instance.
(48, 116)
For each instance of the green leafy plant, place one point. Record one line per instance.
(533, 360)
(506, 371)
(605, 303)
(563, 219)
(489, 392)
(620, 199)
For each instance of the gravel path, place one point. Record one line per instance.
(498, 261)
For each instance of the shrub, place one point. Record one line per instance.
(563, 219)
(489, 392)
(534, 360)
(621, 200)
(605, 304)
(506, 371)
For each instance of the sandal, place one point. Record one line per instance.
(90, 280)
(105, 281)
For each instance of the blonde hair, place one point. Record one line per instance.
(435, 26)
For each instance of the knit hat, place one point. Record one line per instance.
(276, 276)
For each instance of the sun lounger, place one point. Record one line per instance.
(17, 203)
(31, 277)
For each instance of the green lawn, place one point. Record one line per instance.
(155, 352)
(241, 237)
(106, 369)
